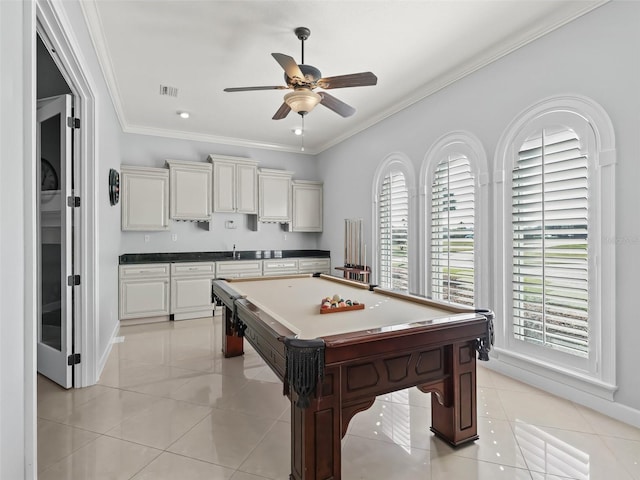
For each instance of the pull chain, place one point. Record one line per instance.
(302, 136)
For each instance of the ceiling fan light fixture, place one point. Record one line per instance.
(302, 101)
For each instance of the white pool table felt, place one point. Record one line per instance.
(295, 303)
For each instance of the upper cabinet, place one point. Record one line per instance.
(235, 184)
(144, 193)
(274, 195)
(190, 187)
(307, 206)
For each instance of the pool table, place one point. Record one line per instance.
(333, 366)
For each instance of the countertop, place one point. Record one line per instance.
(129, 258)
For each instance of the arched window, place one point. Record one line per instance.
(392, 220)
(550, 240)
(452, 230)
(455, 176)
(556, 296)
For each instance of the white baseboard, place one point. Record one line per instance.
(612, 409)
(105, 355)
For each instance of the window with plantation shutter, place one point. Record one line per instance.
(550, 217)
(452, 231)
(555, 262)
(393, 215)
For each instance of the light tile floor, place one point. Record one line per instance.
(169, 406)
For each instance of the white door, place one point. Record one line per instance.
(55, 297)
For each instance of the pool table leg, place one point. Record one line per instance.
(232, 344)
(316, 434)
(454, 414)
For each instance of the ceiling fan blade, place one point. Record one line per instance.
(289, 65)
(338, 106)
(363, 79)
(282, 112)
(249, 89)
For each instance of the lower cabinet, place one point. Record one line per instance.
(183, 289)
(191, 289)
(144, 290)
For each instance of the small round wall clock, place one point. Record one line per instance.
(114, 186)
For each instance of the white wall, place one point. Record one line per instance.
(152, 151)
(594, 56)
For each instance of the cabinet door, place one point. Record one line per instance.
(190, 191)
(246, 189)
(274, 198)
(307, 207)
(144, 298)
(224, 181)
(190, 294)
(145, 199)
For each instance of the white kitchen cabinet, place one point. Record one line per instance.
(235, 188)
(274, 195)
(144, 193)
(314, 265)
(144, 290)
(239, 268)
(191, 289)
(307, 206)
(190, 190)
(279, 266)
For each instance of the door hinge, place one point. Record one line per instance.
(73, 280)
(73, 122)
(73, 359)
(73, 201)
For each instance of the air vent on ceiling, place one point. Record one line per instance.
(169, 91)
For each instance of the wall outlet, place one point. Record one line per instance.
(174, 237)
(147, 238)
(230, 224)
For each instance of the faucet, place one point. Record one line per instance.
(233, 254)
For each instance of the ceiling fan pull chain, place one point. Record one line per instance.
(302, 135)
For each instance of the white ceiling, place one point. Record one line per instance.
(200, 47)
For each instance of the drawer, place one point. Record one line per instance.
(280, 266)
(148, 270)
(193, 268)
(313, 265)
(236, 268)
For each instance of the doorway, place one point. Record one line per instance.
(55, 230)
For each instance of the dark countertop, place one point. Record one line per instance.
(217, 256)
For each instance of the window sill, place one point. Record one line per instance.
(541, 374)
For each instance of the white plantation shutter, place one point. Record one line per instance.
(452, 231)
(393, 215)
(550, 242)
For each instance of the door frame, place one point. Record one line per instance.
(53, 29)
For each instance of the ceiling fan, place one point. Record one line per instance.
(304, 79)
